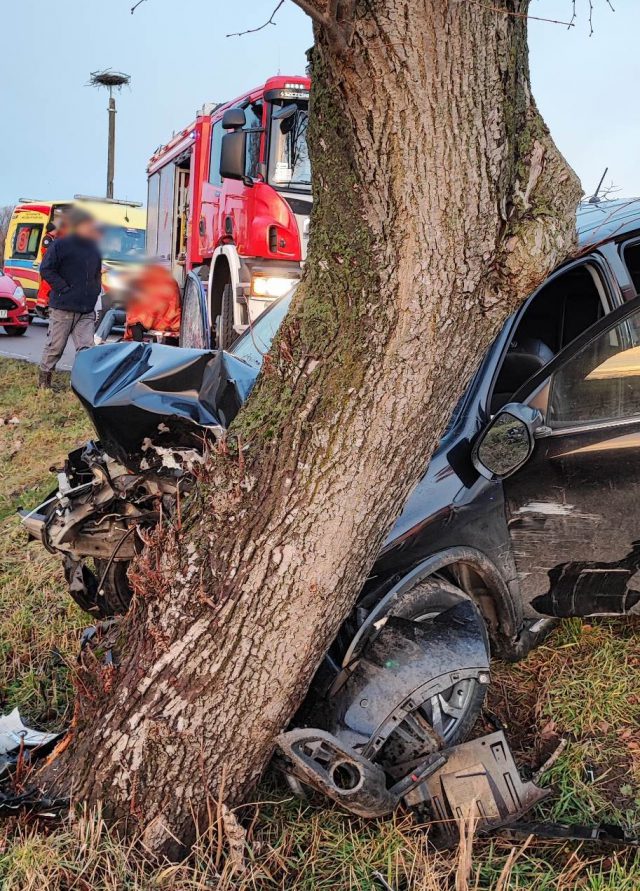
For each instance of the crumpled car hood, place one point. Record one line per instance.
(139, 391)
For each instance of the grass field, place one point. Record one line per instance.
(582, 686)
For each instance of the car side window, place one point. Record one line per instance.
(601, 382)
(560, 311)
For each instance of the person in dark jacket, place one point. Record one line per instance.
(72, 266)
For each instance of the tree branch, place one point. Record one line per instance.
(270, 21)
(326, 20)
(524, 15)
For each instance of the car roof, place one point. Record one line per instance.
(600, 221)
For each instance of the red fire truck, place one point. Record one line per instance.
(228, 208)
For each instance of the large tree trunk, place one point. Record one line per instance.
(440, 203)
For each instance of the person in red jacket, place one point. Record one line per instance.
(153, 305)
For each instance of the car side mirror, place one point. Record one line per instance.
(507, 442)
(233, 154)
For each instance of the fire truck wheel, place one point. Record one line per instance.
(225, 334)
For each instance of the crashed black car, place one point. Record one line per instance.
(526, 513)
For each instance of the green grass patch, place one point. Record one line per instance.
(39, 624)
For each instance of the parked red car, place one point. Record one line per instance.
(14, 315)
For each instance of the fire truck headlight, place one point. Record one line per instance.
(271, 285)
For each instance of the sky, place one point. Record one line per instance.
(53, 126)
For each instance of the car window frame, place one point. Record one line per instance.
(622, 247)
(535, 386)
(611, 293)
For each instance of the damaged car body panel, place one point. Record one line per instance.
(139, 392)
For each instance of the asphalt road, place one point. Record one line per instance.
(31, 344)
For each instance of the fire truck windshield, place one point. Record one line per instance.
(289, 165)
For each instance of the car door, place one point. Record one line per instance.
(573, 509)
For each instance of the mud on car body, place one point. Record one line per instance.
(527, 510)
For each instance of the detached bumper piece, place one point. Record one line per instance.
(476, 781)
(602, 833)
(317, 759)
(480, 783)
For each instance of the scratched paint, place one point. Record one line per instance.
(550, 508)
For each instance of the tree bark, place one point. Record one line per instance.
(440, 203)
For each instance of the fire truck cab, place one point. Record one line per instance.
(229, 199)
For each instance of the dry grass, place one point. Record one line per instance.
(581, 685)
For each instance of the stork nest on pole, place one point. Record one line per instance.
(110, 79)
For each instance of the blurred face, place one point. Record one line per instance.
(88, 229)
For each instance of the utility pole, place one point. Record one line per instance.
(112, 80)
(111, 150)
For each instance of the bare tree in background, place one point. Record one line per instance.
(5, 219)
(441, 201)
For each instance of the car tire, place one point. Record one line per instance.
(115, 594)
(431, 597)
(225, 335)
(15, 332)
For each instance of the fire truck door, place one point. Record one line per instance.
(166, 205)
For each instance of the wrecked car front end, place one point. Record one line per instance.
(154, 408)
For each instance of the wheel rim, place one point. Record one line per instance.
(443, 713)
(446, 711)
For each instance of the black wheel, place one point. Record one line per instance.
(15, 332)
(114, 594)
(225, 335)
(101, 601)
(453, 712)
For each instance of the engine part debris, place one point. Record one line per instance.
(32, 802)
(317, 759)
(17, 738)
(100, 513)
(101, 640)
(480, 781)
